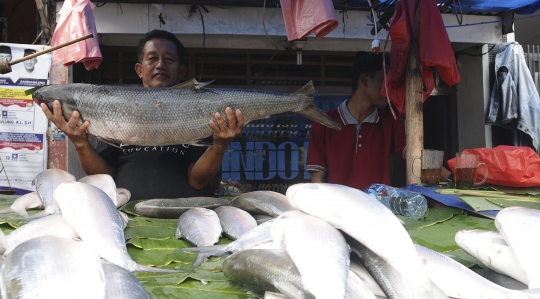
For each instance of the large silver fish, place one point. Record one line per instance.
(267, 269)
(46, 182)
(53, 225)
(294, 231)
(93, 216)
(458, 281)
(52, 267)
(368, 221)
(122, 284)
(26, 202)
(519, 227)
(234, 221)
(176, 115)
(491, 249)
(259, 234)
(199, 226)
(172, 208)
(262, 202)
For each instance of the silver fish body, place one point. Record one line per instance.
(199, 226)
(458, 281)
(262, 202)
(234, 221)
(23, 203)
(52, 225)
(46, 182)
(122, 284)
(172, 208)
(104, 182)
(295, 232)
(267, 269)
(52, 267)
(262, 218)
(165, 116)
(393, 284)
(353, 211)
(93, 216)
(491, 249)
(519, 227)
(259, 234)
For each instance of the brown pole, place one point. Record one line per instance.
(414, 106)
(5, 66)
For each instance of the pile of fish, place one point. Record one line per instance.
(75, 247)
(339, 242)
(174, 115)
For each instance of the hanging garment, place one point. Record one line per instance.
(434, 47)
(304, 17)
(76, 20)
(514, 101)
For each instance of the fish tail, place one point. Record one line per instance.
(205, 252)
(6, 210)
(315, 114)
(143, 268)
(307, 90)
(20, 211)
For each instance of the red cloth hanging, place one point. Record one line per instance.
(76, 20)
(434, 47)
(304, 17)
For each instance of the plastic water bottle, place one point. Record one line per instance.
(404, 202)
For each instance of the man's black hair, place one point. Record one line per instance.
(369, 63)
(5, 49)
(161, 34)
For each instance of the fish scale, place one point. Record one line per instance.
(177, 115)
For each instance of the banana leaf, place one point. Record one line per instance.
(433, 217)
(533, 203)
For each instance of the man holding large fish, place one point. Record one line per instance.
(170, 171)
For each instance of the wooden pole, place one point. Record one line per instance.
(415, 109)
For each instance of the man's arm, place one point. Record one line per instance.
(317, 177)
(90, 161)
(208, 165)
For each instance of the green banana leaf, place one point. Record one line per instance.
(479, 203)
(433, 217)
(533, 203)
(441, 237)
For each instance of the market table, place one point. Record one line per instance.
(151, 241)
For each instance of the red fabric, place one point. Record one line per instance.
(334, 152)
(304, 17)
(76, 20)
(512, 166)
(434, 47)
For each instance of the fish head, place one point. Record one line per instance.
(65, 93)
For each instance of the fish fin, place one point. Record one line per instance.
(307, 90)
(21, 212)
(139, 268)
(193, 83)
(199, 142)
(111, 143)
(315, 114)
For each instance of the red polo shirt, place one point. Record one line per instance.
(359, 154)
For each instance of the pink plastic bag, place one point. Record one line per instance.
(76, 20)
(304, 17)
(512, 166)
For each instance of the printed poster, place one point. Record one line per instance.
(23, 125)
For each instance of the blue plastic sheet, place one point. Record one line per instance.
(446, 199)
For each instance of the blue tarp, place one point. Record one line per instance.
(479, 6)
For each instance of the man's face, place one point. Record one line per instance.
(6, 56)
(29, 64)
(373, 90)
(160, 65)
